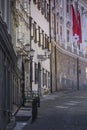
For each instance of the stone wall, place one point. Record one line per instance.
(65, 72)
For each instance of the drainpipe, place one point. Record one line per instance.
(55, 45)
(77, 73)
(55, 69)
(51, 45)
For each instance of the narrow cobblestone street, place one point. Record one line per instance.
(62, 111)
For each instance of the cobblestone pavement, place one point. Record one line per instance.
(62, 111)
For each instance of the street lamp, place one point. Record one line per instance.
(76, 3)
(30, 56)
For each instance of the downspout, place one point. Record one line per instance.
(51, 45)
(55, 45)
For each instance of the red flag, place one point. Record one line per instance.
(74, 21)
(79, 28)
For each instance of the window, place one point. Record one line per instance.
(73, 68)
(35, 32)
(32, 30)
(36, 73)
(39, 43)
(47, 12)
(2, 8)
(52, 19)
(61, 4)
(86, 73)
(39, 4)
(8, 91)
(20, 31)
(67, 35)
(48, 79)
(43, 77)
(43, 46)
(25, 5)
(57, 24)
(4, 87)
(45, 41)
(61, 32)
(42, 7)
(68, 67)
(41, 38)
(45, 5)
(37, 35)
(35, 1)
(67, 6)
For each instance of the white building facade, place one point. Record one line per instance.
(68, 44)
(40, 42)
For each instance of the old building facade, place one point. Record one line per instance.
(40, 42)
(60, 59)
(68, 58)
(8, 64)
(33, 34)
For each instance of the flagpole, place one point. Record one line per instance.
(76, 2)
(78, 44)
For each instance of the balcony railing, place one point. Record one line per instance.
(73, 50)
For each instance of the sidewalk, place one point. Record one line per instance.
(22, 117)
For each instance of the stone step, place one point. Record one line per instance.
(23, 114)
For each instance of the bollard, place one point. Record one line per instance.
(38, 101)
(34, 109)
